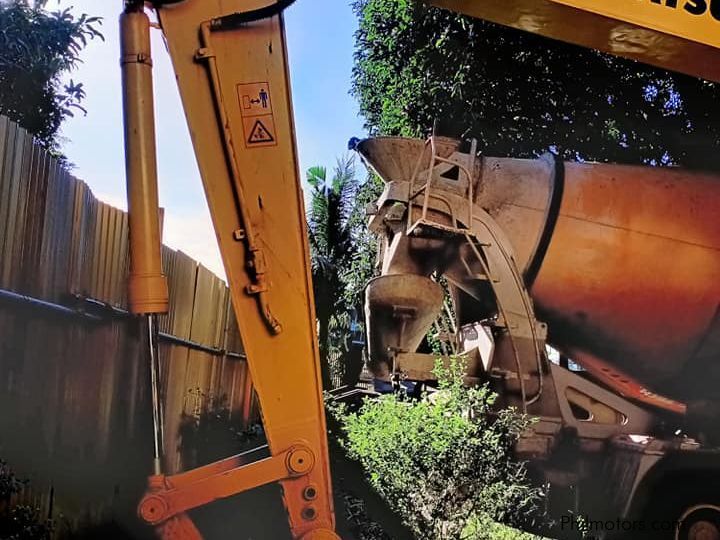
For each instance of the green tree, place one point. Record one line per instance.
(332, 250)
(362, 265)
(521, 94)
(38, 49)
(444, 463)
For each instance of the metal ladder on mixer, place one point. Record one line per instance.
(515, 311)
(425, 189)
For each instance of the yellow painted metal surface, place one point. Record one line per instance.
(694, 20)
(147, 286)
(668, 37)
(235, 92)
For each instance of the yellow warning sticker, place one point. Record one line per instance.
(254, 98)
(257, 114)
(259, 131)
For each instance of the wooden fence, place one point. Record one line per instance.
(74, 393)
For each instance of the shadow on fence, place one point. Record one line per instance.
(74, 395)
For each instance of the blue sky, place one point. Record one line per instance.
(320, 41)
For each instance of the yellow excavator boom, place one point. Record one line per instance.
(230, 62)
(679, 35)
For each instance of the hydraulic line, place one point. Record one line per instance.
(157, 412)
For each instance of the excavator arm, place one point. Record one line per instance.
(230, 62)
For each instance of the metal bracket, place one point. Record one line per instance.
(172, 496)
(139, 58)
(204, 53)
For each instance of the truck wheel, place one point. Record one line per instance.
(699, 522)
(682, 509)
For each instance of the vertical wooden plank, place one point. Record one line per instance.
(47, 247)
(169, 259)
(89, 230)
(4, 127)
(204, 330)
(76, 238)
(15, 249)
(97, 249)
(240, 383)
(105, 243)
(119, 279)
(62, 235)
(6, 190)
(36, 217)
(109, 253)
(6, 133)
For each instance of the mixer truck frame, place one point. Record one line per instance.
(535, 252)
(615, 266)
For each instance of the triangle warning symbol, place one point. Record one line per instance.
(260, 134)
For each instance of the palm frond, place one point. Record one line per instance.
(333, 248)
(317, 221)
(346, 184)
(316, 176)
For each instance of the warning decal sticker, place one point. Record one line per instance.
(257, 114)
(260, 134)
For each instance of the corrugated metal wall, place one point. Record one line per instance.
(74, 396)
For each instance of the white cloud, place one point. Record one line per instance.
(191, 233)
(194, 234)
(113, 200)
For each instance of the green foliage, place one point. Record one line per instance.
(332, 251)
(443, 463)
(520, 94)
(209, 432)
(38, 49)
(363, 260)
(24, 523)
(483, 528)
(19, 522)
(343, 254)
(10, 484)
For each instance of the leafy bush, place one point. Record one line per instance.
(25, 523)
(210, 432)
(10, 484)
(38, 49)
(19, 521)
(483, 528)
(444, 463)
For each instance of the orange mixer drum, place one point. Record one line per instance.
(622, 262)
(631, 273)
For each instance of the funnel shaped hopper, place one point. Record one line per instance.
(395, 158)
(399, 310)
